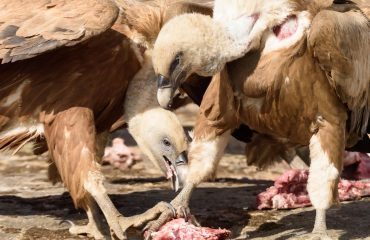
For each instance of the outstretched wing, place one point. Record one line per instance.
(340, 41)
(31, 27)
(142, 20)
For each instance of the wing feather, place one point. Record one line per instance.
(142, 20)
(31, 27)
(340, 41)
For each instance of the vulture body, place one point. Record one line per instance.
(297, 72)
(69, 72)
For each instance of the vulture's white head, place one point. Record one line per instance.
(195, 43)
(162, 138)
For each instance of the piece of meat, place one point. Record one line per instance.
(179, 229)
(289, 191)
(356, 166)
(349, 190)
(119, 155)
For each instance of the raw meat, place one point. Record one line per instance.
(356, 166)
(179, 229)
(119, 155)
(289, 191)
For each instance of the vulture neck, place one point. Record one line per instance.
(140, 102)
(229, 44)
(141, 94)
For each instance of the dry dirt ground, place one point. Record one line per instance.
(32, 208)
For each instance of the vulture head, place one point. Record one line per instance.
(165, 142)
(200, 44)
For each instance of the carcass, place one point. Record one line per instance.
(180, 229)
(290, 191)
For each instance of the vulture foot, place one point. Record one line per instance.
(93, 228)
(90, 230)
(141, 219)
(177, 210)
(319, 230)
(315, 236)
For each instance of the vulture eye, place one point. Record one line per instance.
(166, 142)
(175, 63)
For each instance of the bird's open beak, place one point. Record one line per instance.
(172, 169)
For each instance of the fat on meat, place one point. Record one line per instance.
(179, 229)
(290, 191)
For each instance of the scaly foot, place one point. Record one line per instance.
(178, 210)
(315, 236)
(89, 229)
(141, 219)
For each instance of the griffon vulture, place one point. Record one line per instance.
(68, 73)
(298, 71)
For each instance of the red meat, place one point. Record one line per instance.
(179, 229)
(289, 191)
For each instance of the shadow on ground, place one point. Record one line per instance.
(352, 219)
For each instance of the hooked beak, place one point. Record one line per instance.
(172, 169)
(168, 89)
(165, 92)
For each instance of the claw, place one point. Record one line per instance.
(169, 205)
(146, 228)
(149, 236)
(184, 213)
(194, 221)
(67, 221)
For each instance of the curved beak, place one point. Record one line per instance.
(182, 159)
(165, 92)
(168, 89)
(172, 172)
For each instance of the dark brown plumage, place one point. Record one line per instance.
(66, 67)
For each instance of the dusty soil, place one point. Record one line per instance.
(32, 208)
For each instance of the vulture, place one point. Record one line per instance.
(296, 71)
(69, 71)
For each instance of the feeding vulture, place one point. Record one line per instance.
(68, 73)
(297, 71)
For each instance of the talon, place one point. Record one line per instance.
(146, 228)
(194, 221)
(67, 221)
(149, 236)
(169, 205)
(184, 213)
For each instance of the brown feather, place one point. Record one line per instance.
(45, 26)
(142, 20)
(347, 68)
(93, 75)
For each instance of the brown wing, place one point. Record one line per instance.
(340, 41)
(31, 27)
(142, 20)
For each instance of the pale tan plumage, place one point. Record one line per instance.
(66, 67)
(311, 87)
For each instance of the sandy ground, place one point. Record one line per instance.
(32, 208)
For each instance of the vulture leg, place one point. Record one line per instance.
(71, 140)
(93, 228)
(326, 152)
(204, 156)
(211, 135)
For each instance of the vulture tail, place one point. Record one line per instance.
(14, 139)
